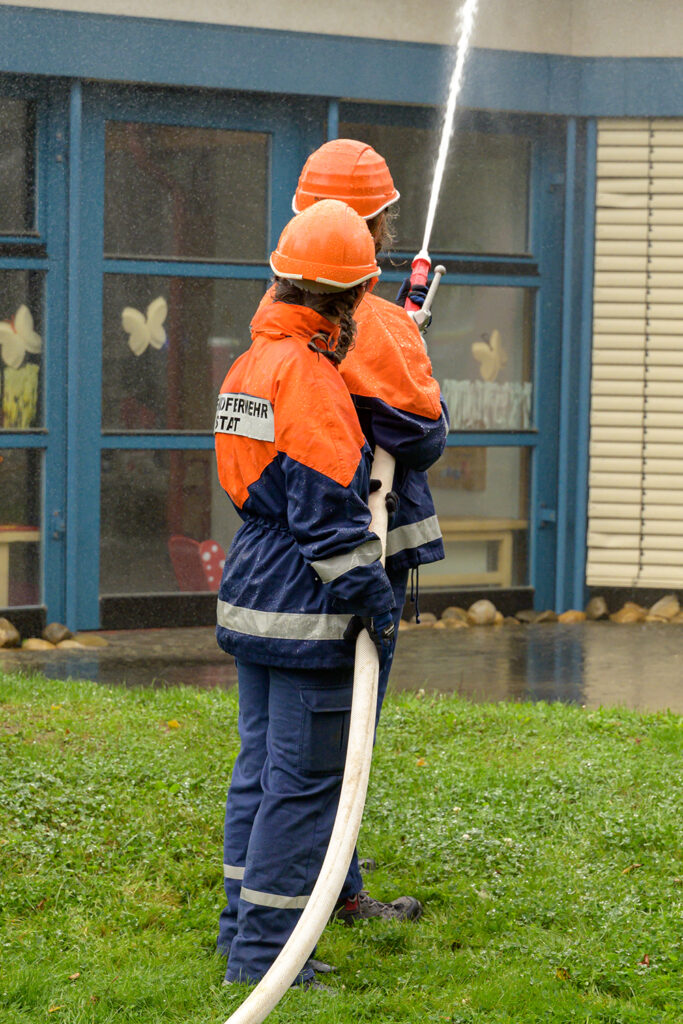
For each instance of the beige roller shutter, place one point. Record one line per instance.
(635, 506)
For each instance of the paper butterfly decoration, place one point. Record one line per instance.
(490, 354)
(17, 337)
(145, 330)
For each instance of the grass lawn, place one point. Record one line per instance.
(545, 842)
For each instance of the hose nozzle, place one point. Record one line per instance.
(422, 315)
(421, 266)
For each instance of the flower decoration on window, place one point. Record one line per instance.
(490, 354)
(145, 329)
(17, 337)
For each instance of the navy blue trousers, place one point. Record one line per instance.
(281, 804)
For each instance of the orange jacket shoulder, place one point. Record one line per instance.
(389, 360)
(315, 420)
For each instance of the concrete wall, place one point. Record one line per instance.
(617, 28)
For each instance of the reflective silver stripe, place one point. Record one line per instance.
(412, 535)
(271, 899)
(329, 569)
(281, 625)
(231, 871)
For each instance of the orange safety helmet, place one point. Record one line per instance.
(327, 247)
(348, 170)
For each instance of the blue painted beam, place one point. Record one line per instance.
(188, 268)
(579, 590)
(563, 478)
(146, 50)
(25, 439)
(157, 442)
(492, 439)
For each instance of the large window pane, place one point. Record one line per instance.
(164, 368)
(157, 508)
(16, 161)
(484, 202)
(481, 498)
(20, 490)
(21, 346)
(480, 345)
(185, 192)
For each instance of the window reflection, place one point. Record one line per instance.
(484, 202)
(481, 499)
(21, 349)
(163, 368)
(16, 161)
(185, 192)
(158, 507)
(480, 344)
(20, 490)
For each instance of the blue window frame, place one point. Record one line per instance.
(39, 251)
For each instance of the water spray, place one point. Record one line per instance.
(422, 262)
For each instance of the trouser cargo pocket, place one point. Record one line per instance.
(324, 729)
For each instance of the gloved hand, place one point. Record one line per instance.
(416, 293)
(391, 499)
(380, 627)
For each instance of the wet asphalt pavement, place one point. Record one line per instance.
(592, 663)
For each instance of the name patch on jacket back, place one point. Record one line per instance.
(245, 416)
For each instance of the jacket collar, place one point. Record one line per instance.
(284, 320)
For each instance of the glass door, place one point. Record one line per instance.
(191, 200)
(32, 296)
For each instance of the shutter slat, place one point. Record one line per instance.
(615, 479)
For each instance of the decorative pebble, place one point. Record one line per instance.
(597, 609)
(572, 615)
(438, 625)
(510, 620)
(91, 640)
(631, 612)
(426, 619)
(55, 632)
(35, 643)
(71, 645)
(547, 616)
(9, 634)
(527, 615)
(403, 625)
(667, 607)
(453, 612)
(481, 613)
(454, 624)
(499, 619)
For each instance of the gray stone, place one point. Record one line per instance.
(527, 615)
(55, 632)
(597, 609)
(546, 616)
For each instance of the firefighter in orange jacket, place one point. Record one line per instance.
(293, 459)
(398, 402)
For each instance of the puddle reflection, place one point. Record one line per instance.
(638, 666)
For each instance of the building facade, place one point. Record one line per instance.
(149, 155)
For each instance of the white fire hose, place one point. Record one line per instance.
(317, 911)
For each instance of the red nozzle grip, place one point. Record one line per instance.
(419, 275)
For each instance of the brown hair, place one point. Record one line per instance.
(382, 227)
(335, 306)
